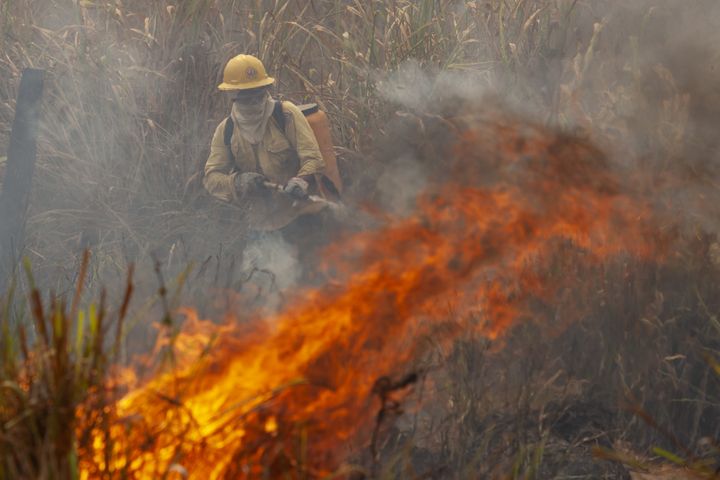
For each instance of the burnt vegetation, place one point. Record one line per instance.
(594, 365)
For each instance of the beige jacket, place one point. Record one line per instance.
(279, 156)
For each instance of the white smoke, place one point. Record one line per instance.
(418, 88)
(271, 266)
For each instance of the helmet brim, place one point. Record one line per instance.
(226, 87)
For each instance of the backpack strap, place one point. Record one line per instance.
(227, 136)
(279, 115)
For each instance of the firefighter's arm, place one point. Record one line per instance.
(302, 139)
(219, 178)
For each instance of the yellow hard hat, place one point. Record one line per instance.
(245, 72)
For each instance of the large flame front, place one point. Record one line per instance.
(512, 198)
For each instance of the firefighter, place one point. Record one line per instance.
(263, 145)
(265, 159)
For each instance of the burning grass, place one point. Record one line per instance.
(470, 258)
(592, 275)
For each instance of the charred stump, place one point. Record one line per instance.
(15, 193)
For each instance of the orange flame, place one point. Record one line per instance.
(513, 198)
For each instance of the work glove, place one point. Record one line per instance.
(297, 187)
(249, 183)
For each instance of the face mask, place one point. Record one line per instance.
(251, 114)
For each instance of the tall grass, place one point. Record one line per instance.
(131, 100)
(128, 114)
(52, 365)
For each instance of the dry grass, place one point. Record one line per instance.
(131, 102)
(128, 113)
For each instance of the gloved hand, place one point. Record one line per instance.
(297, 187)
(249, 183)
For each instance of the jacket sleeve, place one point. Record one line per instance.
(302, 138)
(219, 178)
